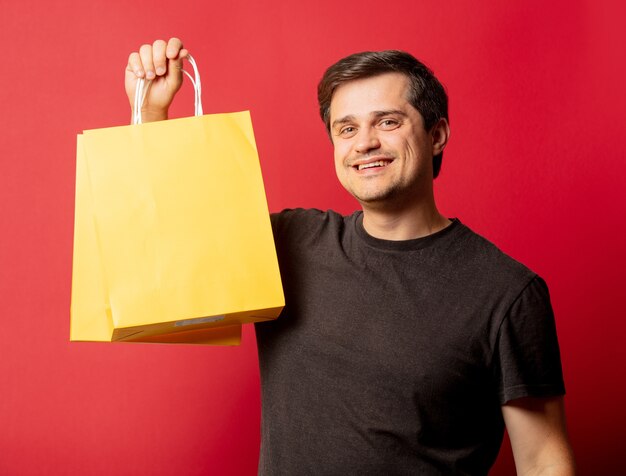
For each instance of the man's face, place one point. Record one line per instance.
(383, 154)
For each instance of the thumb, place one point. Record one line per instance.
(174, 74)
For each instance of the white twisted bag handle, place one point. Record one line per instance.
(141, 91)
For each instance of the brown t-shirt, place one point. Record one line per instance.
(394, 357)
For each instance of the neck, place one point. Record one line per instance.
(405, 223)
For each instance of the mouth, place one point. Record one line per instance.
(372, 164)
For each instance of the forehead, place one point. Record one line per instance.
(362, 96)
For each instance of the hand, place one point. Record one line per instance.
(162, 63)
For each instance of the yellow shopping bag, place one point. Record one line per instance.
(173, 241)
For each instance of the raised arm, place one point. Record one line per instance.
(538, 435)
(162, 63)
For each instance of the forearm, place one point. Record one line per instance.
(552, 457)
(566, 467)
(538, 435)
(152, 116)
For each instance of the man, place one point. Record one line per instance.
(408, 342)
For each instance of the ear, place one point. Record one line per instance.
(440, 134)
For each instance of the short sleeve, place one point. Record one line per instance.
(527, 359)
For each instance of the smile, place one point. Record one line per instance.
(370, 165)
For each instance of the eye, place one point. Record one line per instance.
(347, 131)
(388, 124)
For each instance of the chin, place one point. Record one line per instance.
(375, 199)
(389, 192)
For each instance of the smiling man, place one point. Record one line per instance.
(384, 154)
(408, 342)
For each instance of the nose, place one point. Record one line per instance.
(367, 140)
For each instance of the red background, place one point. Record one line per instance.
(534, 164)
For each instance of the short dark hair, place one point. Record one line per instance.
(426, 93)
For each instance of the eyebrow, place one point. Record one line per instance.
(375, 114)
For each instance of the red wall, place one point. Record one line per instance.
(535, 164)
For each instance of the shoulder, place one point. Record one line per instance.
(305, 214)
(484, 270)
(488, 259)
(301, 222)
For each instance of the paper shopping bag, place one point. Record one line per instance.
(90, 308)
(173, 241)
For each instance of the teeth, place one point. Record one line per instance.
(378, 163)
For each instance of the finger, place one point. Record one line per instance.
(175, 65)
(145, 53)
(134, 65)
(158, 57)
(174, 48)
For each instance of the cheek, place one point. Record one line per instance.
(411, 150)
(394, 144)
(340, 169)
(340, 157)
(340, 153)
